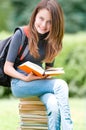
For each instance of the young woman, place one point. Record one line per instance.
(46, 29)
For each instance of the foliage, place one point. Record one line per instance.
(76, 70)
(5, 9)
(21, 12)
(18, 12)
(5, 92)
(72, 59)
(74, 12)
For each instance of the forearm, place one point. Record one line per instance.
(15, 74)
(10, 70)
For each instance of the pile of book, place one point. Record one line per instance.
(32, 114)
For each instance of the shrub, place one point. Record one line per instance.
(72, 59)
(76, 68)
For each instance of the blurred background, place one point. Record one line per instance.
(14, 13)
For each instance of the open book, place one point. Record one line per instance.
(39, 71)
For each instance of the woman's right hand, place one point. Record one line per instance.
(31, 77)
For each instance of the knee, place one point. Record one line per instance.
(64, 86)
(61, 87)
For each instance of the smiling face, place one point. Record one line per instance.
(43, 21)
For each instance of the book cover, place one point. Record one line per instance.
(39, 71)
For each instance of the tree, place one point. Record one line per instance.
(19, 12)
(74, 12)
(5, 9)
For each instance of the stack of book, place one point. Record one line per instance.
(32, 114)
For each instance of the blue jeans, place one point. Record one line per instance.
(53, 93)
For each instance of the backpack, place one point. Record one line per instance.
(4, 46)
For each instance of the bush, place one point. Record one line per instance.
(76, 69)
(5, 92)
(72, 59)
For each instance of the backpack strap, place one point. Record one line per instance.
(25, 43)
(22, 49)
(26, 31)
(25, 35)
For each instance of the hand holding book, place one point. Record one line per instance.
(39, 71)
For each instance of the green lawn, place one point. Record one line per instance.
(9, 118)
(78, 113)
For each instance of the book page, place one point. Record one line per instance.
(54, 71)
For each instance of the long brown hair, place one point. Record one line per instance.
(54, 38)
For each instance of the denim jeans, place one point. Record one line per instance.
(53, 93)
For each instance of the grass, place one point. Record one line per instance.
(9, 114)
(78, 108)
(9, 118)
